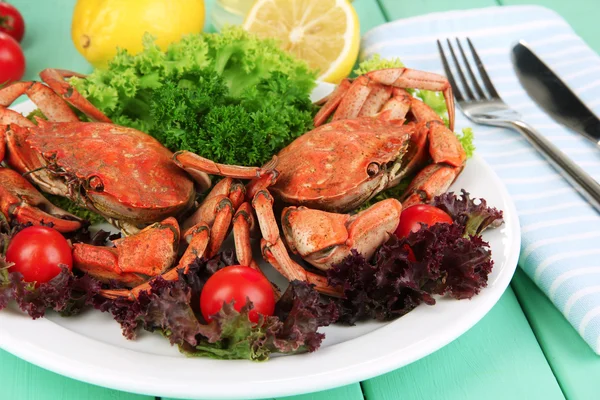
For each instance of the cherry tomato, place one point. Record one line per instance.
(412, 218)
(237, 283)
(12, 60)
(37, 251)
(11, 21)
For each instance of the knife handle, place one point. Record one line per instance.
(577, 177)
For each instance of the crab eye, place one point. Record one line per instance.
(372, 169)
(95, 183)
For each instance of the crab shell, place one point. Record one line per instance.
(124, 174)
(366, 152)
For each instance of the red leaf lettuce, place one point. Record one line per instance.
(463, 210)
(409, 271)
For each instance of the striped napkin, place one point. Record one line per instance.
(560, 230)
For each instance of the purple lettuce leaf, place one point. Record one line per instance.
(164, 308)
(409, 271)
(65, 293)
(302, 312)
(475, 218)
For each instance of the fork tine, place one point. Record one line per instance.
(486, 79)
(480, 92)
(455, 88)
(461, 75)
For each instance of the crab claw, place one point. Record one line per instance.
(20, 201)
(431, 181)
(197, 238)
(134, 259)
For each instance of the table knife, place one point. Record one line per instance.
(553, 95)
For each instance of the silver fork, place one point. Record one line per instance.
(482, 104)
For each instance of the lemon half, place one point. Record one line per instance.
(324, 33)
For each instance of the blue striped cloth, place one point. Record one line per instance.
(560, 231)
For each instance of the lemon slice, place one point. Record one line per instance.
(324, 33)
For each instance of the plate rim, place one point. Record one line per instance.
(42, 357)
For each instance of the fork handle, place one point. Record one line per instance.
(577, 177)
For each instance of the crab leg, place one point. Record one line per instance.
(397, 107)
(49, 102)
(20, 201)
(230, 188)
(195, 163)
(409, 78)
(278, 257)
(3, 143)
(332, 102)
(10, 93)
(364, 98)
(365, 91)
(198, 238)
(243, 223)
(8, 117)
(55, 78)
(274, 250)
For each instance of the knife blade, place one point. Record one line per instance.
(553, 95)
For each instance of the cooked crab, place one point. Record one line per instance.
(366, 148)
(121, 173)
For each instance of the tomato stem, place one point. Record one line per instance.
(5, 22)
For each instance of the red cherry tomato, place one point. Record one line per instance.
(37, 251)
(12, 60)
(11, 21)
(412, 218)
(237, 283)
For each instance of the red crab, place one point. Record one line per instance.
(366, 148)
(121, 173)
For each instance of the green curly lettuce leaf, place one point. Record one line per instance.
(466, 138)
(231, 97)
(375, 62)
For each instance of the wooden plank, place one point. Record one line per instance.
(582, 15)
(498, 358)
(21, 380)
(575, 365)
(350, 392)
(394, 9)
(369, 14)
(47, 42)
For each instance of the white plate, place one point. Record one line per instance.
(91, 348)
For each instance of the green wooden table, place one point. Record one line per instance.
(523, 349)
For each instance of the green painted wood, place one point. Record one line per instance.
(582, 15)
(498, 358)
(47, 41)
(395, 9)
(369, 14)
(350, 392)
(20, 380)
(575, 365)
